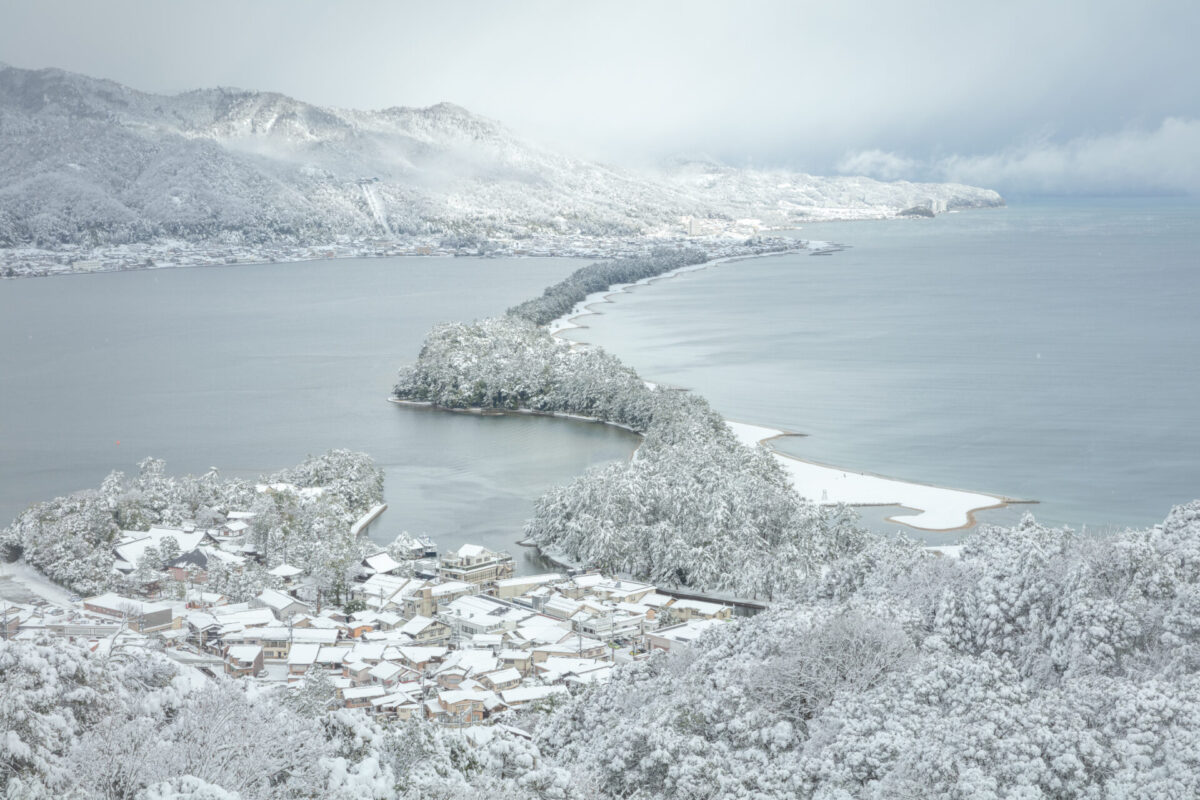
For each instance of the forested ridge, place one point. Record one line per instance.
(92, 163)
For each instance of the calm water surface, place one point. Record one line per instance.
(1045, 351)
(250, 368)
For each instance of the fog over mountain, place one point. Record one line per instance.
(90, 161)
(1076, 96)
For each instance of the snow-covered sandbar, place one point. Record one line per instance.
(583, 308)
(935, 508)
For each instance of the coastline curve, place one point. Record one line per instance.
(936, 508)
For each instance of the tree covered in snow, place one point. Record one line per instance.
(1040, 664)
(71, 538)
(693, 507)
(560, 298)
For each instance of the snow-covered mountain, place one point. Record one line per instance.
(90, 161)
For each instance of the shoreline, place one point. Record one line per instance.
(955, 504)
(505, 412)
(936, 508)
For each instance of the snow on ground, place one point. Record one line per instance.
(935, 508)
(39, 584)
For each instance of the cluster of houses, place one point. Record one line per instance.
(457, 639)
(459, 646)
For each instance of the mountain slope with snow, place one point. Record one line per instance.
(91, 162)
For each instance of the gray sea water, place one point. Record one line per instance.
(1048, 351)
(250, 368)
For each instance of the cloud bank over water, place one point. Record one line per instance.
(1164, 160)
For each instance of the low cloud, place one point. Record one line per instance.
(1162, 160)
(878, 164)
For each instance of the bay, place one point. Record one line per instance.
(249, 368)
(1043, 351)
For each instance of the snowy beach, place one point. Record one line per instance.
(934, 508)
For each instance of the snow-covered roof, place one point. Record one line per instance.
(541, 630)
(378, 590)
(561, 606)
(134, 544)
(368, 651)
(452, 587)
(530, 580)
(416, 625)
(699, 606)
(332, 655)
(245, 652)
(472, 662)
(201, 620)
(386, 670)
(503, 675)
(282, 634)
(515, 655)
(381, 562)
(529, 694)
(687, 632)
(571, 644)
(277, 601)
(223, 556)
(481, 640)
(418, 655)
(249, 618)
(656, 600)
(394, 699)
(115, 602)
(451, 696)
(285, 571)
(363, 692)
(303, 654)
(470, 551)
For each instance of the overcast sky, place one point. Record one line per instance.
(1022, 96)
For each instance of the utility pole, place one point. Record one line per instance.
(612, 633)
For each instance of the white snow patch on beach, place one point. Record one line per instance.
(37, 583)
(935, 508)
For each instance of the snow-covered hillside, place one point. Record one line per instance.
(92, 162)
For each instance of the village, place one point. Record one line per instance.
(65, 259)
(455, 638)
